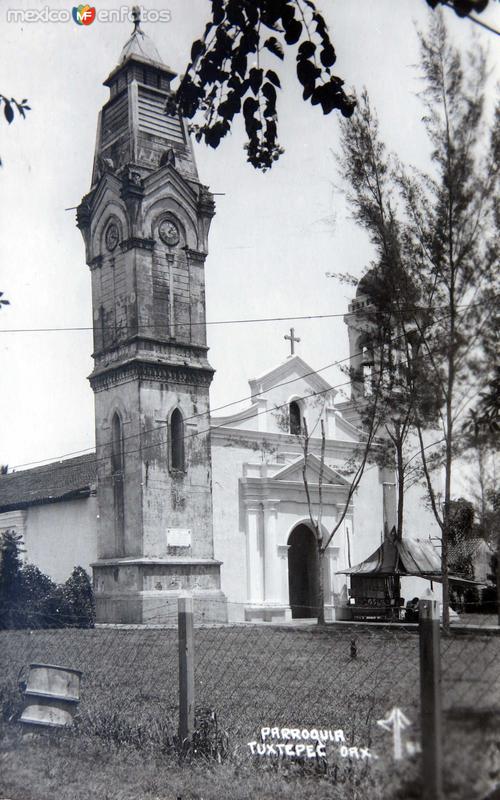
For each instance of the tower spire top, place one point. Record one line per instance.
(136, 16)
(139, 44)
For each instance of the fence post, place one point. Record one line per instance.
(186, 669)
(430, 700)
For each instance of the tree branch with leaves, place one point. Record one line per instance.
(230, 71)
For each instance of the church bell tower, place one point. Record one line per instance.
(145, 224)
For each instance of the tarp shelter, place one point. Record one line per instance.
(407, 557)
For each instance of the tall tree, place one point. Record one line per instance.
(10, 577)
(451, 244)
(439, 230)
(384, 309)
(384, 318)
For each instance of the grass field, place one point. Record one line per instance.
(251, 676)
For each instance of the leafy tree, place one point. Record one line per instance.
(10, 104)
(461, 7)
(461, 520)
(78, 600)
(461, 531)
(387, 333)
(450, 243)
(9, 107)
(37, 607)
(438, 230)
(10, 577)
(230, 70)
(479, 448)
(30, 599)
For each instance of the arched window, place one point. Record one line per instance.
(116, 445)
(117, 467)
(367, 363)
(176, 440)
(295, 418)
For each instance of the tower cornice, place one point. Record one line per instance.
(143, 370)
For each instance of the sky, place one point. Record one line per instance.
(272, 241)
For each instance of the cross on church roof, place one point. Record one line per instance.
(292, 339)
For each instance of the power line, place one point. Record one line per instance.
(119, 328)
(333, 364)
(222, 407)
(211, 428)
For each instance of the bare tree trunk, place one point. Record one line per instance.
(321, 586)
(401, 489)
(498, 578)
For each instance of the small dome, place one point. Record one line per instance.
(368, 283)
(140, 45)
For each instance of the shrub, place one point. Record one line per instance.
(30, 599)
(78, 600)
(36, 598)
(10, 578)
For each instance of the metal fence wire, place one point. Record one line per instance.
(337, 684)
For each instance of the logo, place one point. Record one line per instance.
(83, 15)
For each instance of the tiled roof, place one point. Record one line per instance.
(74, 477)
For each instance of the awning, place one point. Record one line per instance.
(416, 557)
(408, 557)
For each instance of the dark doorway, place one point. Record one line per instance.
(303, 572)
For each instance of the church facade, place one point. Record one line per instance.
(174, 500)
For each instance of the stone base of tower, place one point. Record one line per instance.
(142, 591)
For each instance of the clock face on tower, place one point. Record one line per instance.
(169, 232)
(112, 236)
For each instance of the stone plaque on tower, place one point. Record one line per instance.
(145, 224)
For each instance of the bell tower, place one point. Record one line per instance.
(145, 225)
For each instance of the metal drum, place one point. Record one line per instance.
(52, 695)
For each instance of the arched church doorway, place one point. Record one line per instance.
(303, 572)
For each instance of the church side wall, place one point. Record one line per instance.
(419, 521)
(60, 536)
(229, 523)
(368, 516)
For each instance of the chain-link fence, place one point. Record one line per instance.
(354, 688)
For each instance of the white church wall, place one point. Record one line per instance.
(419, 521)
(367, 529)
(229, 524)
(60, 536)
